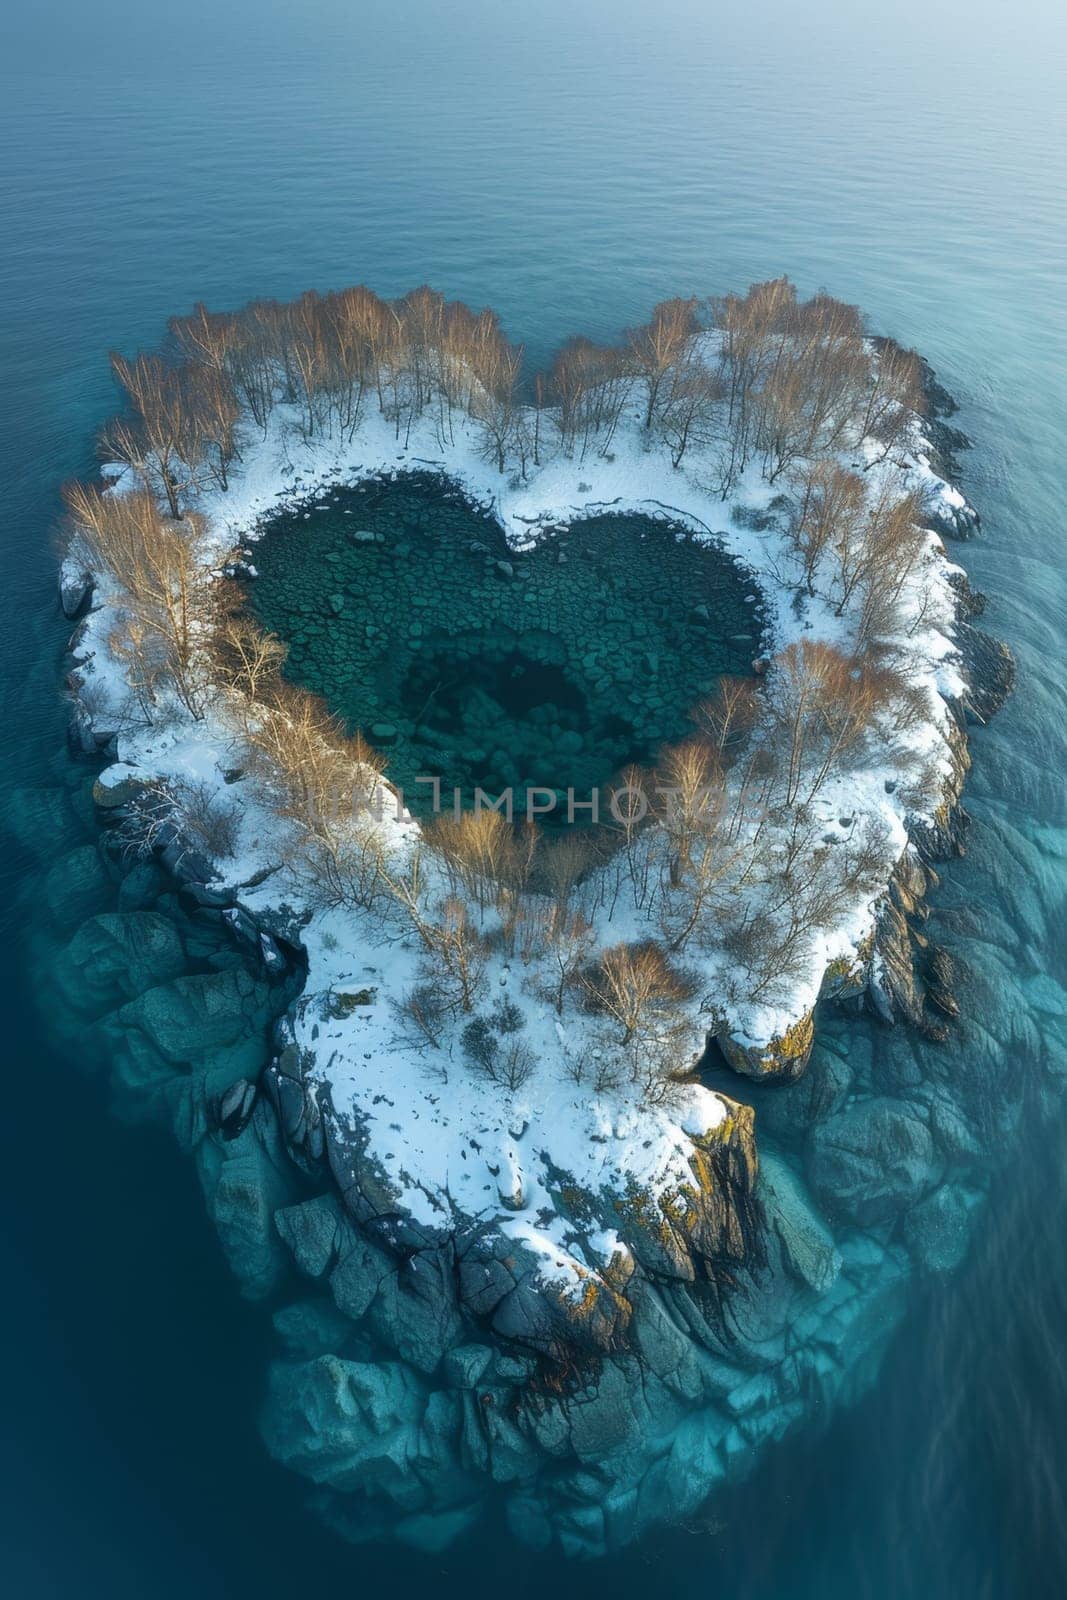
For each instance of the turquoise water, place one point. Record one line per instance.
(570, 165)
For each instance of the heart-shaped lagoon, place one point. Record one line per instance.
(405, 609)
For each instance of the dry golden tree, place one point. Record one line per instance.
(697, 819)
(459, 949)
(256, 357)
(590, 385)
(164, 441)
(247, 658)
(309, 360)
(660, 345)
(882, 543)
(793, 379)
(624, 841)
(350, 363)
(455, 953)
(217, 413)
(166, 588)
(896, 545)
(421, 314)
(482, 853)
(809, 399)
(894, 398)
(637, 985)
(689, 409)
(823, 709)
(728, 717)
(494, 401)
(206, 337)
(323, 783)
(795, 375)
(828, 518)
(751, 328)
(561, 865)
(320, 776)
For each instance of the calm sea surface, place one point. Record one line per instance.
(568, 164)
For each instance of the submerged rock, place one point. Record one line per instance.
(807, 1243)
(938, 1229)
(351, 1425)
(76, 886)
(198, 1014)
(872, 1160)
(119, 954)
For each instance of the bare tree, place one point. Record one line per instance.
(894, 398)
(482, 852)
(828, 515)
(825, 705)
(703, 851)
(494, 401)
(165, 442)
(590, 386)
(728, 717)
(165, 583)
(689, 399)
(637, 985)
(660, 347)
(247, 658)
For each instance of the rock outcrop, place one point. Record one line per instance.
(782, 1059)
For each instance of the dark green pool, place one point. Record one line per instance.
(404, 608)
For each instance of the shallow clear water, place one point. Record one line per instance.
(568, 164)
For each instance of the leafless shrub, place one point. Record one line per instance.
(506, 1061)
(424, 1011)
(661, 1059)
(209, 821)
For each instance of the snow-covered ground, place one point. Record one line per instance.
(448, 1141)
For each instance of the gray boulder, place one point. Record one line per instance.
(75, 585)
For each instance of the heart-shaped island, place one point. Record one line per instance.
(545, 748)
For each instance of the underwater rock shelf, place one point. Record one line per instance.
(459, 1093)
